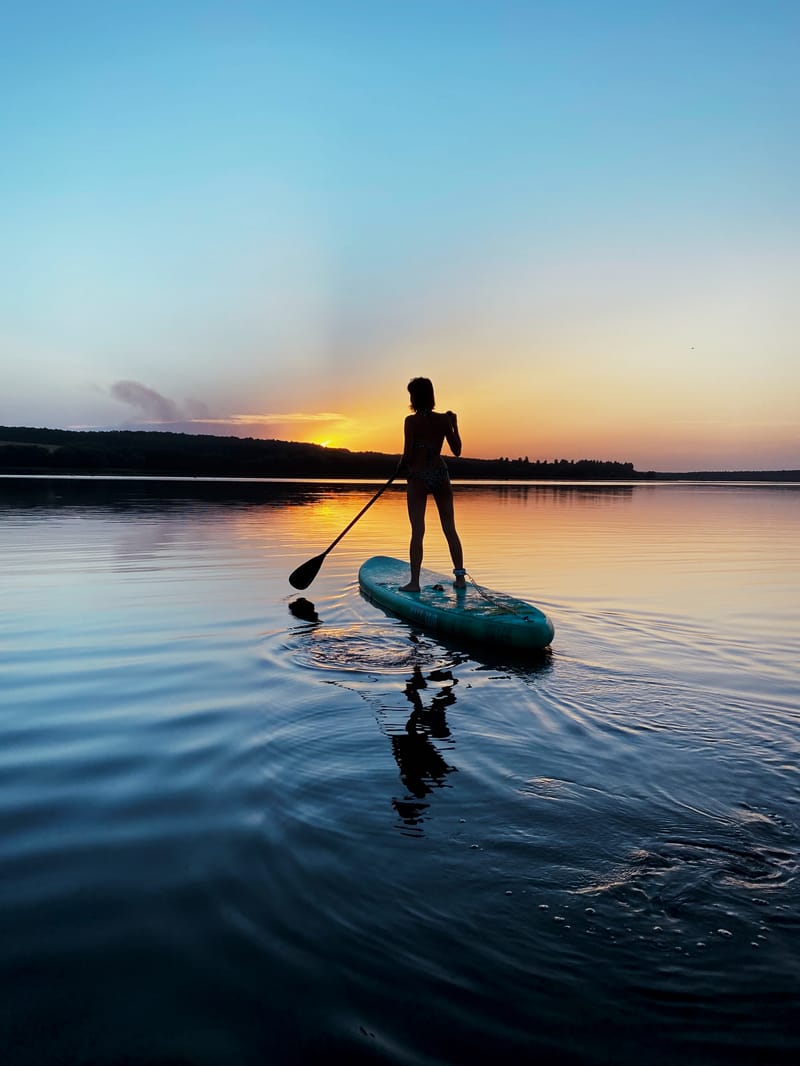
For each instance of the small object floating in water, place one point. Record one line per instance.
(304, 609)
(478, 615)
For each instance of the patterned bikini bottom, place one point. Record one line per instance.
(433, 477)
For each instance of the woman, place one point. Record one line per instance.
(425, 432)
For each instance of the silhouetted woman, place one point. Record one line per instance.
(425, 432)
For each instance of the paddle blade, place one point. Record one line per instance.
(302, 577)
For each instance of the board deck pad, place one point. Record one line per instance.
(477, 614)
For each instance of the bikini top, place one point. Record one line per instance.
(431, 453)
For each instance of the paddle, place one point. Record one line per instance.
(302, 577)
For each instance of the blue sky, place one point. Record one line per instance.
(580, 219)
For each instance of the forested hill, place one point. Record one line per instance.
(131, 452)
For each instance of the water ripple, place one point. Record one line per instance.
(365, 648)
(241, 827)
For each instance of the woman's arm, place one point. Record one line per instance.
(408, 444)
(452, 434)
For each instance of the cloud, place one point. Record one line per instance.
(738, 423)
(276, 419)
(193, 416)
(151, 404)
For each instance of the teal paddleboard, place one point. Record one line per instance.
(475, 614)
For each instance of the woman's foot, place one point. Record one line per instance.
(410, 587)
(460, 574)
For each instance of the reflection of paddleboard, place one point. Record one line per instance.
(478, 615)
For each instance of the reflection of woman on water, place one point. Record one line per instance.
(422, 768)
(425, 432)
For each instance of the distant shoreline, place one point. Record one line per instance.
(727, 475)
(143, 453)
(741, 476)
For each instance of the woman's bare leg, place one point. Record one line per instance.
(444, 503)
(416, 499)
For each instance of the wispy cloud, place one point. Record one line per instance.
(152, 408)
(148, 402)
(737, 423)
(276, 418)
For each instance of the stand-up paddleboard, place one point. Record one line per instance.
(478, 615)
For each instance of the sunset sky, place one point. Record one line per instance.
(580, 219)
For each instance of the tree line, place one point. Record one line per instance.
(162, 454)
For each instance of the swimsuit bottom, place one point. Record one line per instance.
(433, 477)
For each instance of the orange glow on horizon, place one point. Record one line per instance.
(658, 413)
(647, 415)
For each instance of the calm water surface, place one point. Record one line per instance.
(239, 824)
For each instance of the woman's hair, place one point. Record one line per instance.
(421, 393)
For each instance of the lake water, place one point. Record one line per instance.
(239, 829)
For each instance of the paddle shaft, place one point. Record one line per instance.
(302, 577)
(363, 510)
